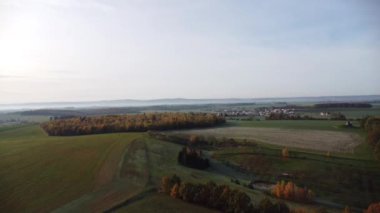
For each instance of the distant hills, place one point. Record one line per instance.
(183, 101)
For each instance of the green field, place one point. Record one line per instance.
(93, 173)
(340, 178)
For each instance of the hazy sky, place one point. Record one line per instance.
(70, 50)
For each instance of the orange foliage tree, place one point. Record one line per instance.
(373, 208)
(290, 191)
(285, 152)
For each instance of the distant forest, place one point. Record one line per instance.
(130, 123)
(343, 105)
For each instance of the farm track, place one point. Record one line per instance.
(118, 187)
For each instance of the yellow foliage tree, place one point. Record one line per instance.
(174, 193)
(285, 152)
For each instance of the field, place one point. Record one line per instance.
(122, 171)
(332, 141)
(298, 124)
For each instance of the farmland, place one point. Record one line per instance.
(306, 139)
(123, 170)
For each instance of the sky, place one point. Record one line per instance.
(82, 50)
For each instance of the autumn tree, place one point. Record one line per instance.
(174, 193)
(347, 210)
(168, 182)
(285, 152)
(290, 191)
(373, 208)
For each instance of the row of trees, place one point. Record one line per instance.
(200, 141)
(130, 123)
(220, 197)
(193, 158)
(291, 191)
(372, 126)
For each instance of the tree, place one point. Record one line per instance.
(285, 152)
(165, 184)
(377, 150)
(373, 208)
(174, 193)
(328, 154)
(289, 191)
(347, 210)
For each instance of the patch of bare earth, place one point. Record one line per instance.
(320, 140)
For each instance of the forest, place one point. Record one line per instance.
(343, 105)
(130, 123)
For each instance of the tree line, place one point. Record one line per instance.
(130, 123)
(343, 105)
(200, 141)
(219, 197)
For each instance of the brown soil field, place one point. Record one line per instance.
(319, 140)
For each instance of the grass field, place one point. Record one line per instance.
(343, 178)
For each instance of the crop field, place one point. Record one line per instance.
(333, 141)
(40, 173)
(94, 173)
(298, 124)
